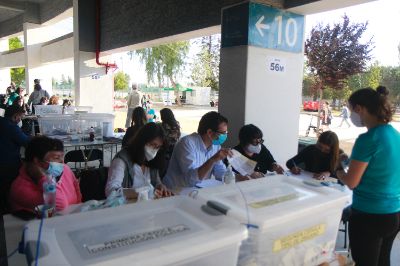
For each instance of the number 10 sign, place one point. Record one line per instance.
(275, 29)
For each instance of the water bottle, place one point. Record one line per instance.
(91, 134)
(229, 176)
(49, 192)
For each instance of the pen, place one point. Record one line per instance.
(294, 163)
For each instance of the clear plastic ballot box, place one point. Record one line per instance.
(291, 222)
(170, 231)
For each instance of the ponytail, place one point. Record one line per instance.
(375, 101)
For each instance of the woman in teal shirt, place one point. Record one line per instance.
(374, 176)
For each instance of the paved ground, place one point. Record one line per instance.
(189, 116)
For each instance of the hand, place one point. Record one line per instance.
(222, 154)
(321, 176)
(240, 178)
(130, 193)
(340, 174)
(278, 169)
(162, 191)
(257, 175)
(343, 157)
(295, 170)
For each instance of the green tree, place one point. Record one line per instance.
(17, 74)
(373, 75)
(164, 62)
(121, 81)
(205, 69)
(391, 79)
(335, 53)
(15, 43)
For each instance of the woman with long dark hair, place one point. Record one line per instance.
(138, 164)
(172, 131)
(139, 119)
(374, 177)
(322, 158)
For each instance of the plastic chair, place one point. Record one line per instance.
(92, 183)
(84, 156)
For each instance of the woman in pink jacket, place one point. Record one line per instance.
(43, 155)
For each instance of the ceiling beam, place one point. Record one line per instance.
(12, 5)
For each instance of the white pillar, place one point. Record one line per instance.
(93, 86)
(34, 36)
(5, 77)
(261, 74)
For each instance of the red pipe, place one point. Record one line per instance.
(107, 65)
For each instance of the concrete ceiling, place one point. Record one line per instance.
(13, 13)
(14, 8)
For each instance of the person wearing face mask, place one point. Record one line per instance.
(322, 158)
(43, 156)
(11, 140)
(251, 145)
(374, 177)
(138, 165)
(19, 101)
(197, 156)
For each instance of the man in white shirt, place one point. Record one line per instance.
(134, 100)
(197, 156)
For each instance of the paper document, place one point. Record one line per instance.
(241, 163)
(208, 183)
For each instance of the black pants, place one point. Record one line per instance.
(371, 237)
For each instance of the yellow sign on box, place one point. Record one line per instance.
(299, 237)
(270, 202)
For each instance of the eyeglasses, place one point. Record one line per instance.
(221, 133)
(257, 141)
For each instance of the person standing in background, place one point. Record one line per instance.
(345, 115)
(325, 115)
(37, 94)
(134, 100)
(374, 177)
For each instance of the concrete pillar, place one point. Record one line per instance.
(34, 36)
(261, 74)
(5, 77)
(93, 86)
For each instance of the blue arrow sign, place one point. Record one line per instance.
(263, 26)
(275, 29)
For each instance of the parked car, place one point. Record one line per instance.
(311, 106)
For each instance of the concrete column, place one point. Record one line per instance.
(93, 86)
(34, 36)
(5, 77)
(261, 74)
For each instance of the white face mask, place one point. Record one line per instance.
(356, 119)
(254, 148)
(149, 152)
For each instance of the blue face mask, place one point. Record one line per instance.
(55, 169)
(221, 139)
